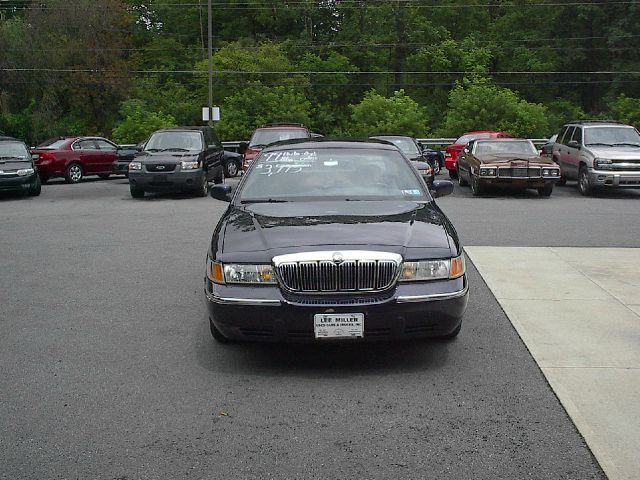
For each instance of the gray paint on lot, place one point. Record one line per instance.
(522, 218)
(109, 371)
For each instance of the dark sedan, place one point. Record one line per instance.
(334, 241)
(506, 161)
(17, 171)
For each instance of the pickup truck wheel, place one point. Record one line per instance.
(231, 168)
(583, 182)
(546, 190)
(74, 173)
(136, 192)
(461, 181)
(477, 188)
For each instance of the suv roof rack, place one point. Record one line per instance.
(586, 122)
(283, 124)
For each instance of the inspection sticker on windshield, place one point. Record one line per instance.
(331, 325)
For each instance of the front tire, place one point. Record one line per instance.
(203, 190)
(74, 173)
(231, 168)
(136, 192)
(546, 190)
(36, 187)
(584, 185)
(477, 187)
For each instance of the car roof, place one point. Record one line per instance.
(390, 135)
(183, 129)
(326, 144)
(292, 126)
(501, 140)
(8, 139)
(591, 123)
(498, 132)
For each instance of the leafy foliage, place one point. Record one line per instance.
(139, 123)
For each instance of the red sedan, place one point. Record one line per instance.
(452, 152)
(75, 157)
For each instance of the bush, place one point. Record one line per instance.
(626, 109)
(138, 123)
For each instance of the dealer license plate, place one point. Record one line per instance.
(331, 325)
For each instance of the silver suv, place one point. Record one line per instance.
(598, 153)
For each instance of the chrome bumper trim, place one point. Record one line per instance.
(241, 301)
(434, 297)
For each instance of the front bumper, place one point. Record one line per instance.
(166, 182)
(14, 183)
(409, 311)
(533, 182)
(614, 179)
(120, 168)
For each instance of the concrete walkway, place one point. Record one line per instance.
(578, 312)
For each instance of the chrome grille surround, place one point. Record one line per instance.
(337, 271)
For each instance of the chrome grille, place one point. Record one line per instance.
(519, 172)
(350, 275)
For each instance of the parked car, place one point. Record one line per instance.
(125, 154)
(452, 152)
(75, 158)
(17, 171)
(599, 154)
(547, 148)
(414, 152)
(334, 241)
(506, 162)
(178, 159)
(268, 134)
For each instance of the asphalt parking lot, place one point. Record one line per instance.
(109, 370)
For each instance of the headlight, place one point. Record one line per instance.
(432, 269)
(603, 163)
(550, 172)
(25, 171)
(240, 273)
(488, 172)
(189, 165)
(135, 166)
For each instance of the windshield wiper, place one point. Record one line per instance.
(152, 150)
(258, 145)
(174, 149)
(628, 144)
(264, 200)
(11, 157)
(600, 143)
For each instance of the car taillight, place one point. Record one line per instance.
(46, 156)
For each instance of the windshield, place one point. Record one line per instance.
(53, 143)
(406, 145)
(332, 174)
(180, 141)
(524, 147)
(612, 136)
(13, 150)
(264, 137)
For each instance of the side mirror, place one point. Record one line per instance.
(573, 144)
(243, 147)
(440, 188)
(35, 157)
(221, 192)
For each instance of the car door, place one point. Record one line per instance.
(213, 154)
(572, 156)
(87, 153)
(107, 154)
(563, 152)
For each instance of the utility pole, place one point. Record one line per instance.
(210, 52)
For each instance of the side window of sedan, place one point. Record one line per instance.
(105, 146)
(85, 145)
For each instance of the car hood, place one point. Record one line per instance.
(511, 157)
(417, 229)
(617, 153)
(166, 157)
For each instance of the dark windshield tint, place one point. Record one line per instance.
(330, 174)
(611, 135)
(13, 150)
(264, 137)
(178, 140)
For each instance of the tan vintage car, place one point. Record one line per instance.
(506, 161)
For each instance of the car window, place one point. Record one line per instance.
(577, 135)
(13, 150)
(567, 136)
(267, 136)
(332, 174)
(560, 136)
(104, 145)
(52, 143)
(84, 145)
(475, 136)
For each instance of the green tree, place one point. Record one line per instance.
(138, 123)
(377, 114)
(626, 109)
(478, 104)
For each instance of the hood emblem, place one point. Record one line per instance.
(160, 167)
(337, 258)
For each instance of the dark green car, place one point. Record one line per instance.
(17, 172)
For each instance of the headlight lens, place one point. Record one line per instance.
(603, 163)
(550, 172)
(433, 269)
(135, 166)
(240, 273)
(189, 165)
(488, 172)
(25, 171)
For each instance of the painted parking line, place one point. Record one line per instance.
(578, 312)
